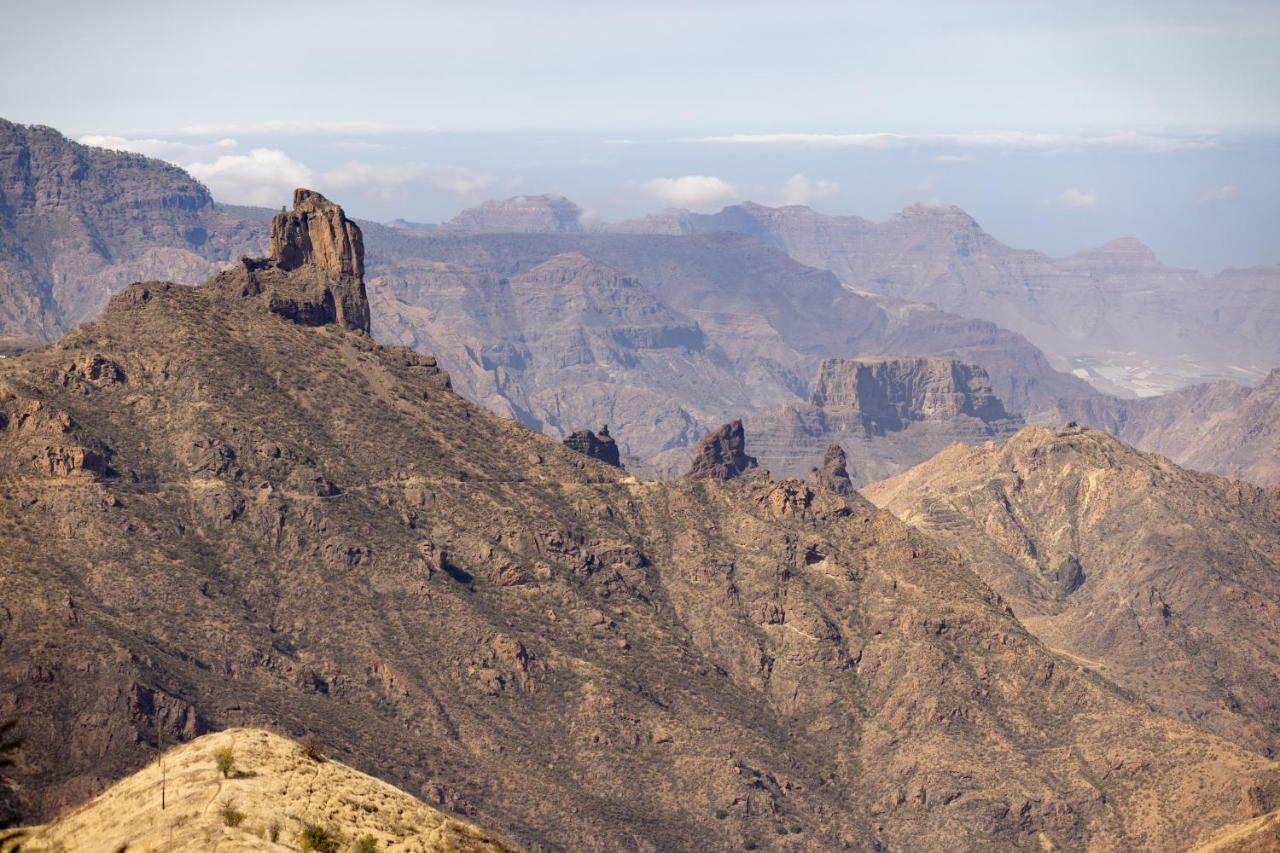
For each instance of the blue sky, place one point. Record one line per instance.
(1058, 125)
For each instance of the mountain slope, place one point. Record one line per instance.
(79, 223)
(1166, 580)
(1222, 427)
(218, 517)
(275, 788)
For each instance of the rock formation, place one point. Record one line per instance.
(314, 274)
(599, 446)
(834, 473)
(722, 455)
(1164, 580)
(887, 414)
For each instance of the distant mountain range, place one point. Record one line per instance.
(667, 326)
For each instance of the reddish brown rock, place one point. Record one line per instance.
(722, 455)
(599, 446)
(315, 272)
(834, 473)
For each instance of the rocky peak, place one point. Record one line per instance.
(890, 393)
(316, 233)
(599, 446)
(722, 455)
(834, 473)
(314, 272)
(947, 215)
(1124, 253)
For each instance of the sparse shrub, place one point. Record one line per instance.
(230, 816)
(318, 838)
(313, 747)
(780, 829)
(224, 758)
(751, 845)
(273, 830)
(721, 814)
(365, 844)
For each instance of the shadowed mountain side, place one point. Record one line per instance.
(215, 517)
(1167, 581)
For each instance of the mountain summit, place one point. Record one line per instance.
(314, 274)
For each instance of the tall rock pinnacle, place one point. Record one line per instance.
(722, 455)
(314, 273)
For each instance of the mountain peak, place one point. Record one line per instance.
(314, 272)
(523, 214)
(722, 455)
(947, 214)
(1123, 252)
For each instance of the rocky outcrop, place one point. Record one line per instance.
(886, 413)
(834, 473)
(599, 446)
(722, 455)
(314, 274)
(887, 394)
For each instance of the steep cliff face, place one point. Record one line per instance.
(78, 224)
(314, 274)
(887, 414)
(1164, 580)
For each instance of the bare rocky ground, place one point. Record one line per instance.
(223, 508)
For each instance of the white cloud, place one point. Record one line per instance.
(165, 149)
(459, 180)
(1220, 195)
(952, 158)
(287, 127)
(800, 190)
(1075, 198)
(696, 191)
(1128, 140)
(264, 176)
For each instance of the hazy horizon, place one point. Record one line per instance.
(1159, 121)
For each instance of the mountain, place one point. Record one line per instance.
(218, 513)
(1115, 314)
(663, 338)
(78, 223)
(1221, 427)
(518, 215)
(273, 797)
(886, 414)
(1164, 580)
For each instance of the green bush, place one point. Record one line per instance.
(721, 814)
(224, 758)
(319, 839)
(365, 844)
(313, 747)
(272, 830)
(230, 816)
